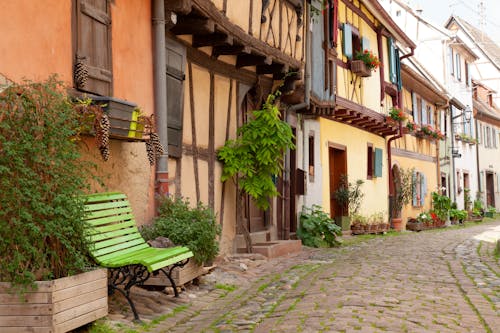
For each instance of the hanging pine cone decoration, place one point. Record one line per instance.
(81, 72)
(150, 150)
(102, 135)
(155, 140)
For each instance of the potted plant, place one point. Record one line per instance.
(403, 191)
(457, 215)
(490, 212)
(365, 62)
(397, 114)
(359, 224)
(193, 227)
(42, 230)
(441, 205)
(348, 197)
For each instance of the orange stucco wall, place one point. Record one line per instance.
(35, 39)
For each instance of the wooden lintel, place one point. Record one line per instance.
(230, 50)
(187, 25)
(217, 39)
(363, 120)
(245, 60)
(179, 6)
(272, 69)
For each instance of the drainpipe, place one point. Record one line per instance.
(452, 128)
(479, 185)
(160, 97)
(307, 96)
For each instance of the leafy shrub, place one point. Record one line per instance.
(317, 229)
(41, 176)
(458, 214)
(441, 204)
(196, 228)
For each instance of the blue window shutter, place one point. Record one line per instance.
(424, 112)
(365, 43)
(392, 60)
(347, 40)
(378, 162)
(414, 107)
(423, 189)
(414, 186)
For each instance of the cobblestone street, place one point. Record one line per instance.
(437, 281)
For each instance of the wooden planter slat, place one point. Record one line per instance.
(57, 306)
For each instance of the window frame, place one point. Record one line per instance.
(370, 161)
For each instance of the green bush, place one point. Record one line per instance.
(196, 228)
(41, 176)
(317, 229)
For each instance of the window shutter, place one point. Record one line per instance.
(398, 70)
(424, 112)
(459, 68)
(392, 60)
(414, 185)
(175, 87)
(378, 162)
(414, 107)
(93, 39)
(423, 189)
(347, 46)
(335, 20)
(450, 61)
(431, 118)
(498, 182)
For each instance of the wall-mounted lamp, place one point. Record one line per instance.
(467, 113)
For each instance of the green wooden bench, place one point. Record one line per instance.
(115, 243)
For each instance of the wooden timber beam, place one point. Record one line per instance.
(179, 6)
(245, 60)
(272, 69)
(188, 25)
(216, 39)
(230, 50)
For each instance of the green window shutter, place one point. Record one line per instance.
(414, 186)
(347, 40)
(378, 162)
(392, 60)
(365, 43)
(398, 70)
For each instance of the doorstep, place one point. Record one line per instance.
(277, 248)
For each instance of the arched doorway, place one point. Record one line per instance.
(395, 195)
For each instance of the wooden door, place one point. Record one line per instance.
(490, 189)
(337, 164)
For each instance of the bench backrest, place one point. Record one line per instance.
(114, 231)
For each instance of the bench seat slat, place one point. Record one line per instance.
(157, 254)
(118, 247)
(106, 205)
(117, 254)
(104, 213)
(123, 239)
(111, 227)
(110, 219)
(99, 236)
(168, 262)
(97, 197)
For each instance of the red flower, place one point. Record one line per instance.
(434, 216)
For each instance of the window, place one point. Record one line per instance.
(351, 41)
(419, 188)
(369, 159)
(468, 79)
(394, 63)
(451, 64)
(331, 22)
(176, 56)
(458, 67)
(311, 157)
(93, 47)
(330, 19)
(480, 134)
(488, 137)
(494, 137)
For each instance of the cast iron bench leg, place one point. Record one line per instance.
(169, 274)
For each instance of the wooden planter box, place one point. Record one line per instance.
(359, 68)
(181, 275)
(122, 117)
(56, 306)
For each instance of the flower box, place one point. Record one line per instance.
(359, 68)
(123, 117)
(60, 305)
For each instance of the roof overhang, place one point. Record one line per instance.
(416, 82)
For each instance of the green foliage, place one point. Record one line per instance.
(404, 187)
(349, 194)
(257, 154)
(467, 199)
(458, 214)
(441, 204)
(41, 176)
(317, 229)
(196, 228)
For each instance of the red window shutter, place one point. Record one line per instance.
(93, 39)
(335, 20)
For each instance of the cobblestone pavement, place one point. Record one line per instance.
(432, 281)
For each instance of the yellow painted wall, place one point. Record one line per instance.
(429, 170)
(376, 189)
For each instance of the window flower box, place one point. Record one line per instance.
(123, 117)
(359, 68)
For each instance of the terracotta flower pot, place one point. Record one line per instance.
(397, 223)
